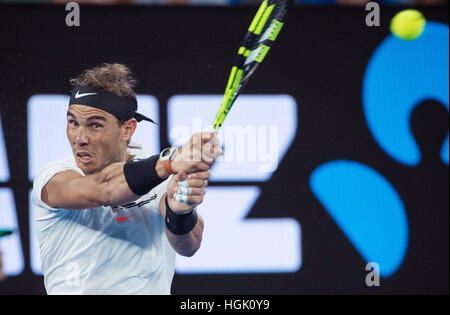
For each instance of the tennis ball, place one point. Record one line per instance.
(408, 24)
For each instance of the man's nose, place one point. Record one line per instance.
(81, 137)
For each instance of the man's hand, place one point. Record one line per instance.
(198, 154)
(185, 192)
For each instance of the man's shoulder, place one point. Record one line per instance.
(136, 150)
(65, 163)
(68, 160)
(46, 173)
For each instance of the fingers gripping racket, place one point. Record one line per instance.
(261, 35)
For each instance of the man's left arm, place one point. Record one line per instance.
(184, 226)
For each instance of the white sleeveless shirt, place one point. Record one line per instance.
(103, 250)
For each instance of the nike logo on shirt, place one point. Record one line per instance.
(118, 220)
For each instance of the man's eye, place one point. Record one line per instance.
(96, 126)
(73, 123)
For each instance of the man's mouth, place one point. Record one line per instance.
(84, 157)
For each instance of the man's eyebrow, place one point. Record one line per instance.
(90, 118)
(97, 117)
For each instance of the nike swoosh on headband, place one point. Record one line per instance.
(78, 95)
(118, 106)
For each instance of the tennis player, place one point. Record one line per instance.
(109, 218)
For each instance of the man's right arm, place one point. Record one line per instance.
(116, 184)
(71, 190)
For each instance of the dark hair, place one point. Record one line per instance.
(115, 78)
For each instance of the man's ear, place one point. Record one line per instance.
(128, 128)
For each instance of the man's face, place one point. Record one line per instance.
(95, 137)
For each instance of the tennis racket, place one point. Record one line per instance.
(261, 35)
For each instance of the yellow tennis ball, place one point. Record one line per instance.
(408, 24)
